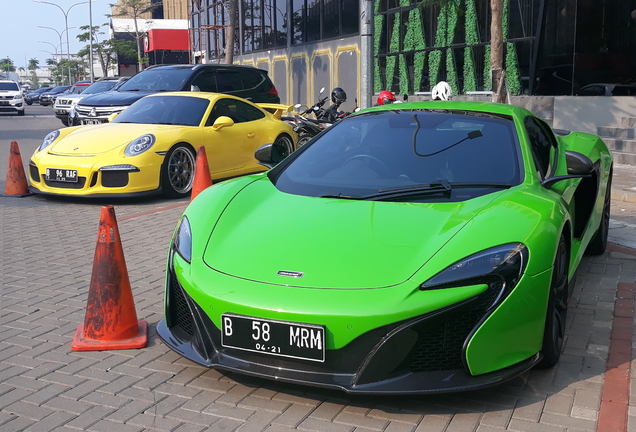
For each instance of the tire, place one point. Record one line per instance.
(177, 171)
(303, 139)
(554, 331)
(64, 122)
(287, 143)
(29, 103)
(598, 244)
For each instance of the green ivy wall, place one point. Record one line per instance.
(404, 62)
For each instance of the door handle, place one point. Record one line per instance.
(250, 135)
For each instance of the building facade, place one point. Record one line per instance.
(552, 47)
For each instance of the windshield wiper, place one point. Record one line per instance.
(442, 186)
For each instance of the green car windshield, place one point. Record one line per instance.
(407, 156)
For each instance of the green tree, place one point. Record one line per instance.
(105, 50)
(33, 64)
(135, 9)
(6, 65)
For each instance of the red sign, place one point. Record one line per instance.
(167, 39)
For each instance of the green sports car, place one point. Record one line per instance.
(414, 248)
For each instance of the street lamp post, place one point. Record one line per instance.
(68, 46)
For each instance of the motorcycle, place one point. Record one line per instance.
(307, 127)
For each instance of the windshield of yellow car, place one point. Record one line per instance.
(166, 110)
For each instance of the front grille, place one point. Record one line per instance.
(441, 339)
(85, 111)
(114, 178)
(180, 314)
(34, 172)
(81, 181)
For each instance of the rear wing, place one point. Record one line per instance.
(277, 110)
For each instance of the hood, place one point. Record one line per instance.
(114, 98)
(89, 141)
(333, 243)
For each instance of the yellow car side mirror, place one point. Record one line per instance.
(112, 117)
(222, 122)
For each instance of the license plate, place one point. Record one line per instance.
(61, 175)
(4, 102)
(278, 338)
(92, 121)
(60, 112)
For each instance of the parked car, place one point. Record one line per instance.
(424, 247)
(150, 147)
(46, 98)
(34, 97)
(66, 102)
(11, 97)
(556, 80)
(602, 89)
(242, 81)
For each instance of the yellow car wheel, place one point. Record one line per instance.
(286, 142)
(177, 171)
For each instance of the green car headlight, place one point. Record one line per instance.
(140, 145)
(49, 139)
(500, 267)
(182, 242)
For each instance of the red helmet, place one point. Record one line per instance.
(386, 97)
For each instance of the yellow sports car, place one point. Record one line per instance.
(151, 146)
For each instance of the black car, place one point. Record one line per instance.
(34, 96)
(47, 97)
(242, 81)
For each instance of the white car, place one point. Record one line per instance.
(11, 97)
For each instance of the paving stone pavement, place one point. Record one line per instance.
(46, 256)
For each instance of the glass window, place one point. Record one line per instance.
(542, 143)
(366, 154)
(228, 80)
(11, 86)
(237, 110)
(299, 13)
(170, 110)
(331, 19)
(158, 80)
(205, 82)
(313, 21)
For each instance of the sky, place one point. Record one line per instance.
(21, 39)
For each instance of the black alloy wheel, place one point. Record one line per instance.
(554, 332)
(177, 171)
(598, 244)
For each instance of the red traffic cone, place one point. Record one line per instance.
(111, 320)
(16, 184)
(202, 177)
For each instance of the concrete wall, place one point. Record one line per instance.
(299, 72)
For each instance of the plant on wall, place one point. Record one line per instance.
(487, 77)
(413, 40)
(470, 78)
(394, 47)
(512, 64)
(377, 23)
(446, 23)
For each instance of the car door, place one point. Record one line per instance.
(230, 150)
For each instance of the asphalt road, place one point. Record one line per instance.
(28, 130)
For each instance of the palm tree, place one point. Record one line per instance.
(33, 64)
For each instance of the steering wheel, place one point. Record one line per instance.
(383, 168)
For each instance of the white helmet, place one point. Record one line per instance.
(442, 91)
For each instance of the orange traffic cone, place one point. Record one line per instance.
(111, 320)
(16, 184)
(202, 177)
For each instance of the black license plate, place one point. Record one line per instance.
(4, 102)
(92, 121)
(61, 175)
(278, 338)
(60, 112)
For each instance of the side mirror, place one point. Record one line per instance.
(322, 90)
(579, 166)
(269, 155)
(112, 117)
(221, 122)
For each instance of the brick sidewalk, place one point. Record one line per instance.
(46, 262)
